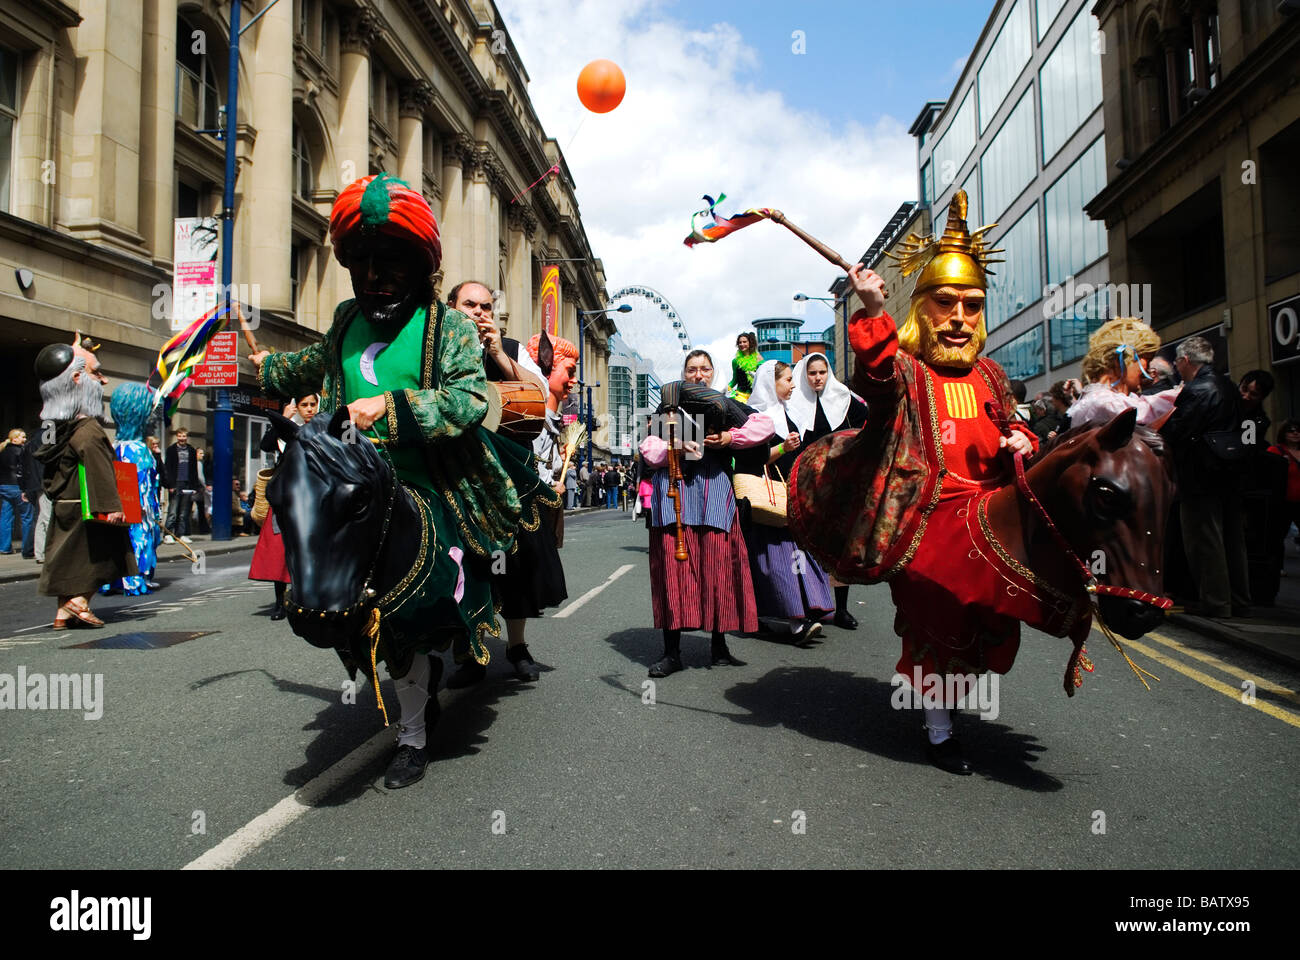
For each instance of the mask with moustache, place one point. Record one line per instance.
(387, 279)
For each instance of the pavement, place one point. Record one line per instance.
(1272, 631)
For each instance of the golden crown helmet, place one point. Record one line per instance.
(958, 257)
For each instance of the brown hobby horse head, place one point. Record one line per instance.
(1109, 491)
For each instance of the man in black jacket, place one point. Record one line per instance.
(182, 484)
(1208, 485)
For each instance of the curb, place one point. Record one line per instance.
(209, 549)
(1236, 638)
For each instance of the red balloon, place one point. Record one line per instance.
(601, 86)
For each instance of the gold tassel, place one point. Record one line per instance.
(1127, 659)
(372, 634)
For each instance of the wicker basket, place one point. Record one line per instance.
(766, 497)
(261, 508)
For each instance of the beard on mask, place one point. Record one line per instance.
(385, 310)
(925, 342)
(92, 397)
(66, 398)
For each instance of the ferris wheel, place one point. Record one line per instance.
(653, 329)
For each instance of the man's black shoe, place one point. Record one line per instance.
(467, 674)
(666, 666)
(947, 757)
(278, 612)
(406, 768)
(845, 620)
(525, 667)
(807, 631)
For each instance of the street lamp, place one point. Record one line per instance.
(834, 303)
(582, 356)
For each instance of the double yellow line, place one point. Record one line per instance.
(1235, 693)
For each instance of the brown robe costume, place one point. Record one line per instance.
(80, 555)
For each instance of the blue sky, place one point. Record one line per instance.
(875, 58)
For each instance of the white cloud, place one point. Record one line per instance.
(696, 120)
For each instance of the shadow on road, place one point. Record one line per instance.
(841, 707)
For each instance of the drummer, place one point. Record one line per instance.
(533, 576)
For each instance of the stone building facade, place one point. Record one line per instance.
(1202, 206)
(101, 111)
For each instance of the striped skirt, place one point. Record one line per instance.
(711, 590)
(787, 580)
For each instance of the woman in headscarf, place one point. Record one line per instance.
(789, 584)
(711, 589)
(1116, 368)
(743, 365)
(822, 405)
(268, 555)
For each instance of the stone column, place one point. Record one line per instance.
(519, 271)
(478, 249)
(158, 127)
(357, 31)
(415, 99)
(1169, 43)
(269, 197)
(103, 193)
(457, 152)
(1147, 96)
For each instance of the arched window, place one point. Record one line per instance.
(196, 83)
(303, 184)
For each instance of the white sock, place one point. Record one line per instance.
(413, 695)
(938, 724)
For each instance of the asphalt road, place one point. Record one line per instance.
(237, 748)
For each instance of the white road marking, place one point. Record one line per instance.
(568, 611)
(268, 825)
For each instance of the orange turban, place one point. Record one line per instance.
(383, 203)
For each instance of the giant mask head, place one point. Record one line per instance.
(558, 359)
(385, 234)
(72, 384)
(945, 325)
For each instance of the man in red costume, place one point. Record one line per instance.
(926, 388)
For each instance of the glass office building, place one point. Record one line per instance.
(1022, 134)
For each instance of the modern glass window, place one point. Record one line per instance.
(1070, 83)
(302, 173)
(8, 121)
(1047, 13)
(1010, 162)
(1022, 358)
(1068, 332)
(955, 145)
(1074, 240)
(1019, 282)
(1006, 58)
(925, 183)
(196, 83)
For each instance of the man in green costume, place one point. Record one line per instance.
(410, 372)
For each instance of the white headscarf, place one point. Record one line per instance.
(764, 398)
(802, 405)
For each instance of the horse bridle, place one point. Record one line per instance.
(368, 592)
(1090, 584)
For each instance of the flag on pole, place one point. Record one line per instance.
(721, 226)
(183, 352)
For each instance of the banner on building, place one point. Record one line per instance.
(196, 242)
(551, 301)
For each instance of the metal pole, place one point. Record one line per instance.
(591, 428)
(844, 311)
(223, 426)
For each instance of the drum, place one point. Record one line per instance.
(516, 408)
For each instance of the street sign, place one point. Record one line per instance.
(221, 348)
(216, 375)
(1284, 330)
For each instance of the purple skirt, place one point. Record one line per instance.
(784, 576)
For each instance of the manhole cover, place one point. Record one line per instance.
(140, 641)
